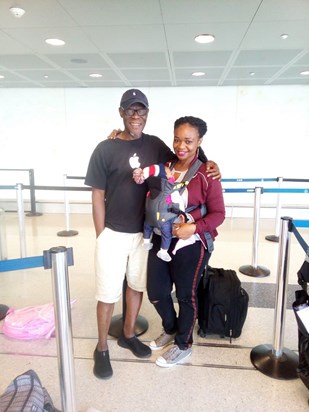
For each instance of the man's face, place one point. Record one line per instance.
(134, 119)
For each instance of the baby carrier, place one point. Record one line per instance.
(163, 202)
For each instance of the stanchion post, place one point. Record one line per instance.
(275, 237)
(255, 270)
(67, 231)
(116, 327)
(274, 360)
(62, 304)
(33, 211)
(281, 287)
(256, 227)
(21, 219)
(3, 248)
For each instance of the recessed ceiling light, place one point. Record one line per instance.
(96, 75)
(252, 74)
(45, 76)
(17, 11)
(305, 73)
(284, 36)
(55, 42)
(204, 38)
(198, 74)
(1, 76)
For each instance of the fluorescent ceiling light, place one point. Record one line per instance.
(204, 38)
(96, 75)
(55, 42)
(1, 76)
(198, 74)
(305, 73)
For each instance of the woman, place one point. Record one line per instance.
(186, 266)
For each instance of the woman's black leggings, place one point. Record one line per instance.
(184, 271)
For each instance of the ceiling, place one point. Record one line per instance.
(150, 43)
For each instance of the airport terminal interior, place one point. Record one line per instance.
(218, 376)
(243, 67)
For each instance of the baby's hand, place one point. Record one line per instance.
(169, 173)
(138, 176)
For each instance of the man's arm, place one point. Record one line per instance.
(211, 167)
(98, 210)
(213, 170)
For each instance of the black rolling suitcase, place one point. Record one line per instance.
(301, 308)
(222, 303)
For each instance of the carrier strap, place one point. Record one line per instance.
(190, 173)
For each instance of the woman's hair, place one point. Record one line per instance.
(199, 124)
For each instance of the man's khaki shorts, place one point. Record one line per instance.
(118, 255)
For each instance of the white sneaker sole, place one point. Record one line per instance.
(153, 346)
(163, 364)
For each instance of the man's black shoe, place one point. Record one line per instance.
(139, 349)
(102, 367)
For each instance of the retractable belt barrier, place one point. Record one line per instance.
(33, 211)
(254, 269)
(3, 248)
(67, 231)
(275, 360)
(57, 259)
(251, 179)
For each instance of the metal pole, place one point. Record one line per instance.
(32, 195)
(274, 360)
(67, 231)
(116, 326)
(278, 209)
(254, 269)
(3, 248)
(63, 327)
(21, 219)
(281, 286)
(66, 205)
(256, 226)
(275, 237)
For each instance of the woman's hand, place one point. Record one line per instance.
(183, 230)
(114, 134)
(213, 170)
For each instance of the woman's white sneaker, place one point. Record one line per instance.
(173, 356)
(163, 340)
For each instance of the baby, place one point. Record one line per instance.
(163, 206)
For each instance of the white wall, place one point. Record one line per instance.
(252, 131)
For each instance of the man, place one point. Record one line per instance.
(118, 215)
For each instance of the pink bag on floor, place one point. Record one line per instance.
(31, 322)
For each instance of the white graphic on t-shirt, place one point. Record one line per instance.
(134, 161)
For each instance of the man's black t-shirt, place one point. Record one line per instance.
(110, 169)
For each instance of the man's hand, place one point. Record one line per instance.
(213, 169)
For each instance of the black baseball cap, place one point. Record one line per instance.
(133, 96)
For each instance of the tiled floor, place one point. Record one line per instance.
(219, 376)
